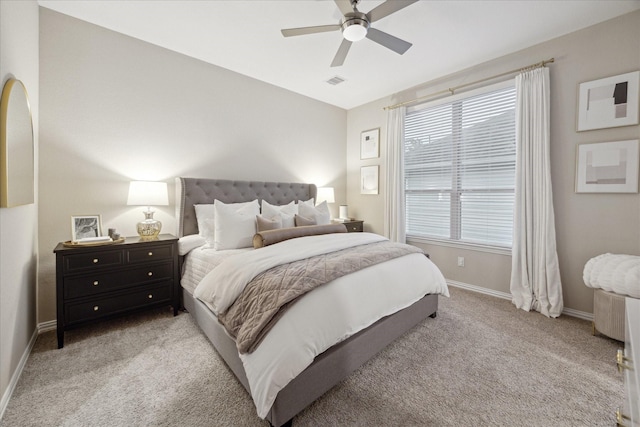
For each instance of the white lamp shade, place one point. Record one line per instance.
(325, 194)
(148, 193)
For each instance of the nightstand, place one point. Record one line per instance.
(99, 282)
(353, 225)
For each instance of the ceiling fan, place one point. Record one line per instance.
(356, 25)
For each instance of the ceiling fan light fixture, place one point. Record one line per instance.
(355, 29)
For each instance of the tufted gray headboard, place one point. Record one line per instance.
(194, 191)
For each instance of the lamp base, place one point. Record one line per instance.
(149, 229)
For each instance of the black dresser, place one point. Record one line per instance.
(98, 282)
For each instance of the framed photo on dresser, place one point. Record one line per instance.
(85, 226)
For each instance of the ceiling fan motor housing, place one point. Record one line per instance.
(355, 26)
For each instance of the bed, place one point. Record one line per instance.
(325, 369)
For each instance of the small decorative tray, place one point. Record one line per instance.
(70, 244)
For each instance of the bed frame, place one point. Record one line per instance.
(328, 368)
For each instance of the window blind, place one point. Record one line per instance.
(459, 168)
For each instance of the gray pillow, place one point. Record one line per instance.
(302, 221)
(264, 224)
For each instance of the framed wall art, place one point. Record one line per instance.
(609, 102)
(370, 144)
(369, 180)
(85, 226)
(607, 167)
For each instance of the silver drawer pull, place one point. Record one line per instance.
(150, 273)
(95, 283)
(95, 260)
(150, 253)
(150, 296)
(96, 308)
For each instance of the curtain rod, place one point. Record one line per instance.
(452, 90)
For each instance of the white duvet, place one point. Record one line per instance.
(324, 317)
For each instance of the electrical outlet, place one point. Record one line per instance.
(460, 261)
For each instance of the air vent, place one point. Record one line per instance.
(335, 80)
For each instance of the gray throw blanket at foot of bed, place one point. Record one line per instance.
(266, 298)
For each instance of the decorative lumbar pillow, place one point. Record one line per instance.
(286, 212)
(264, 224)
(319, 213)
(235, 224)
(266, 238)
(302, 221)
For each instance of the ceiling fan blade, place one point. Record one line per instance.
(344, 6)
(341, 54)
(387, 8)
(387, 40)
(309, 30)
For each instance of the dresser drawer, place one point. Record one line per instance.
(149, 254)
(87, 261)
(356, 226)
(102, 307)
(92, 284)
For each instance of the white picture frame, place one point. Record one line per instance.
(609, 102)
(607, 167)
(370, 144)
(84, 226)
(369, 179)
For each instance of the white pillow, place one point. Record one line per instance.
(286, 212)
(187, 243)
(310, 202)
(320, 213)
(204, 212)
(235, 224)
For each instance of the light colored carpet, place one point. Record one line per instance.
(481, 362)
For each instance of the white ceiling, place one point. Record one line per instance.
(244, 36)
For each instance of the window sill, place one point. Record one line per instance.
(460, 245)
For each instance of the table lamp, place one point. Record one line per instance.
(148, 193)
(325, 194)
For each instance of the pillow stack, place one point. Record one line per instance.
(233, 225)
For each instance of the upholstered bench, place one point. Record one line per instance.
(614, 278)
(608, 314)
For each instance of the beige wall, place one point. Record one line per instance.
(114, 108)
(586, 224)
(18, 226)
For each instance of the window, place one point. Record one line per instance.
(459, 168)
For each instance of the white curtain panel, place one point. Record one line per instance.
(535, 275)
(394, 209)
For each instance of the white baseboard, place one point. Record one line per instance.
(42, 327)
(567, 311)
(47, 326)
(579, 314)
(16, 374)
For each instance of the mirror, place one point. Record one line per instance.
(16, 146)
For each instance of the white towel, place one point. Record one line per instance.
(614, 273)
